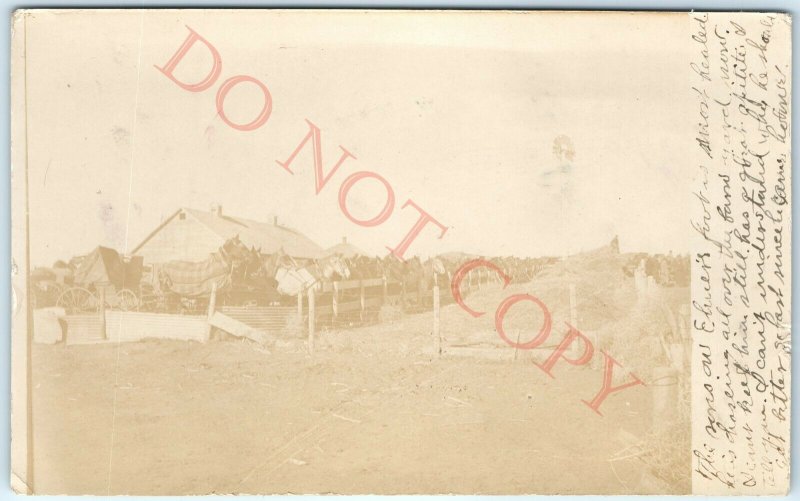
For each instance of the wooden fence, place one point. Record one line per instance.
(440, 346)
(359, 301)
(327, 304)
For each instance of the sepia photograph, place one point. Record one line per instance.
(400, 252)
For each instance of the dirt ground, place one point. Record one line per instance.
(371, 412)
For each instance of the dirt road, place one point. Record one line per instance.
(223, 417)
(370, 412)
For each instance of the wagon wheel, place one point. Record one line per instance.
(126, 300)
(77, 300)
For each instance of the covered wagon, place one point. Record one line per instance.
(103, 277)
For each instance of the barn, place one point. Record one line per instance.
(191, 235)
(345, 249)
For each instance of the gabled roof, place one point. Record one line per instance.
(345, 249)
(269, 237)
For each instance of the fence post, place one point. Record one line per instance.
(335, 301)
(212, 307)
(363, 301)
(300, 306)
(312, 314)
(212, 301)
(437, 338)
(102, 310)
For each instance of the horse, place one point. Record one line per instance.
(297, 275)
(363, 267)
(331, 268)
(392, 268)
(237, 256)
(415, 282)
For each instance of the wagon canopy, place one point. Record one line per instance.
(193, 279)
(104, 266)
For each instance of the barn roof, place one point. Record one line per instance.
(269, 237)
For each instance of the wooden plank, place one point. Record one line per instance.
(348, 284)
(348, 307)
(355, 284)
(324, 310)
(237, 328)
(373, 301)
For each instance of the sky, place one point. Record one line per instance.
(458, 111)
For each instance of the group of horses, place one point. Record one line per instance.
(666, 269)
(260, 278)
(244, 275)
